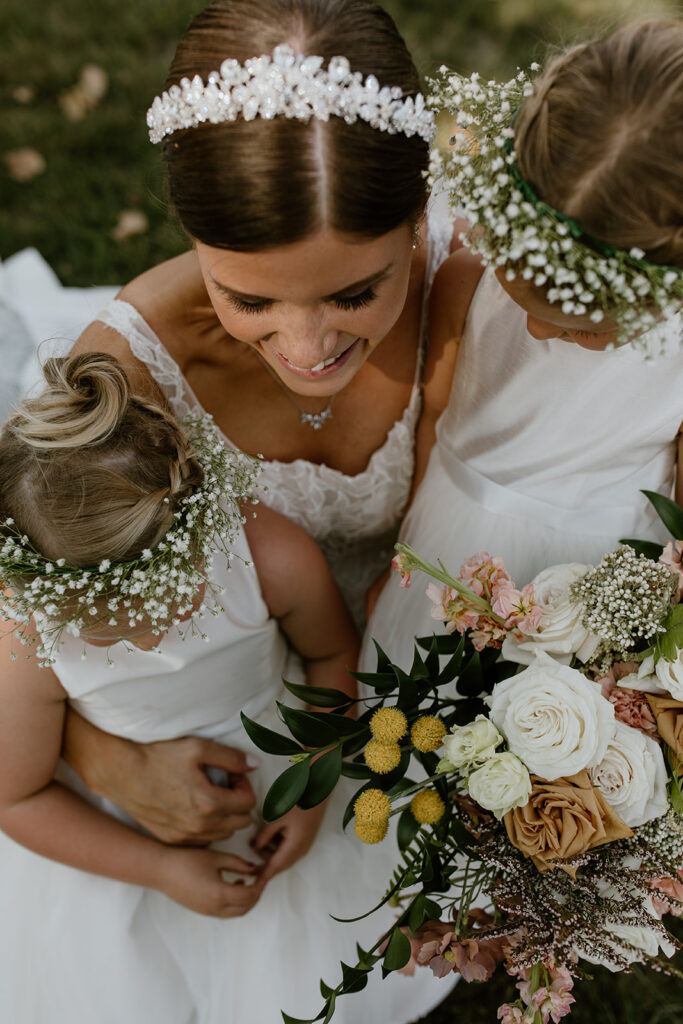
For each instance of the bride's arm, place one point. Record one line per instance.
(164, 785)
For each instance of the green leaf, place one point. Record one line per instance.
(354, 978)
(452, 667)
(355, 743)
(306, 728)
(644, 547)
(319, 696)
(342, 724)
(398, 951)
(669, 512)
(471, 681)
(325, 990)
(324, 775)
(417, 914)
(355, 770)
(408, 694)
(286, 791)
(443, 643)
(383, 663)
(378, 680)
(267, 740)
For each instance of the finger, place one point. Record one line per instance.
(231, 862)
(283, 858)
(267, 833)
(232, 760)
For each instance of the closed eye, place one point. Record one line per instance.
(355, 301)
(243, 306)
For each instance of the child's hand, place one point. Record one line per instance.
(290, 837)
(193, 878)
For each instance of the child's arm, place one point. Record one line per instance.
(298, 588)
(451, 295)
(53, 821)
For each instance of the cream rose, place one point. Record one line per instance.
(501, 784)
(470, 744)
(632, 776)
(670, 675)
(634, 942)
(553, 718)
(561, 632)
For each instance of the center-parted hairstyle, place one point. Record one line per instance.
(253, 185)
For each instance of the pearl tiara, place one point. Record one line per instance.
(288, 85)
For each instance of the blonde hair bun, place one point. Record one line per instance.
(83, 403)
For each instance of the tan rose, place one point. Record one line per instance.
(669, 717)
(563, 818)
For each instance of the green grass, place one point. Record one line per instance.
(103, 164)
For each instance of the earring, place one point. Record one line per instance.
(415, 235)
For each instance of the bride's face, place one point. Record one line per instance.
(313, 310)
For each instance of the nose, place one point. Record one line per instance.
(541, 329)
(304, 337)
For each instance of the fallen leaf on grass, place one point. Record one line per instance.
(24, 94)
(130, 223)
(83, 97)
(24, 164)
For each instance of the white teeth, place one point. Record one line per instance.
(325, 362)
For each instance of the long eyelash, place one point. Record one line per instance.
(356, 301)
(247, 307)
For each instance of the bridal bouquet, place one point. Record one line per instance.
(543, 829)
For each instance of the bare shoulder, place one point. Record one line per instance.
(162, 297)
(454, 285)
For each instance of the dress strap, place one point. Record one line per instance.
(148, 348)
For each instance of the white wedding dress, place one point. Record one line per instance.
(540, 457)
(80, 949)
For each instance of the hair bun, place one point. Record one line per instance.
(85, 398)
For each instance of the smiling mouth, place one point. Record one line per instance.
(323, 368)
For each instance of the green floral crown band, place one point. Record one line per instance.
(512, 228)
(160, 585)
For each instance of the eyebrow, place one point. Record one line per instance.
(351, 289)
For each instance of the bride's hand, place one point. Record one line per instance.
(164, 786)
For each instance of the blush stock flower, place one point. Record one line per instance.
(671, 557)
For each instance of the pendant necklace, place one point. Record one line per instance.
(314, 420)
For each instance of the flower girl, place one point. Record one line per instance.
(118, 529)
(566, 401)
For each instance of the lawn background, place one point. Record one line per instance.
(103, 164)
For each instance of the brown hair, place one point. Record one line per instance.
(601, 138)
(252, 185)
(87, 470)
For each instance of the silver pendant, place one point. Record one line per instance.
(316, 420)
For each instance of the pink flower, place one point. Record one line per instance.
(518, 608)
(399, 564)
(488, 633)
(672, 887)
(450, 607)
(631, 707)
(436, 946)
(510, 1014)
(671, 557)
(486, 570)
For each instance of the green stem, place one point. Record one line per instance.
(440, 573)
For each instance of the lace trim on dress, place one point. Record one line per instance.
(355, 519)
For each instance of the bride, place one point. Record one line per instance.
(297, 319)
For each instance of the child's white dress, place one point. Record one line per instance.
(80, 949)
(540, 457)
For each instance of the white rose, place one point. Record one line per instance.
(632, 776)
(561, 632)
(670, 675)
(553, 718)
(501, 784)
(472, 743)
(644, 679)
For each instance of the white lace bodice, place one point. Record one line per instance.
(354, 519)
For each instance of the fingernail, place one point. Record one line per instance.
(253, 761)
(254, 844)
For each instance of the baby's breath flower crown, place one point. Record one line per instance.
(514, 229)
(157, 587)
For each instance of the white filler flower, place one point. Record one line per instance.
(553, 718)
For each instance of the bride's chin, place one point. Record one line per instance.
(327, 381)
